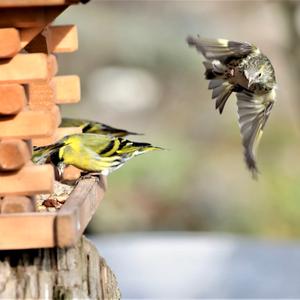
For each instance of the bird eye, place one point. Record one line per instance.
(259, 74)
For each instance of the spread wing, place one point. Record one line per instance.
(253, 114)
(221, 49)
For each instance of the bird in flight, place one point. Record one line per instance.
(240, 67)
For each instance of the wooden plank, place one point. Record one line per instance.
(24, 68)
(59, 133)
(78, 210)
(16, 204)
(28, 34)
(41, 95)
(52, 66)
(12, 98)
(63, 38)
(10, 42)
(29, 124)
(27, 230)
(55, 112)
(14, 154)
(40, 44)
(24, 3)
(56, 39)
(29, 180)
(67, 89)
(28, 17)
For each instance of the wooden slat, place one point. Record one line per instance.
(59, 133)
(30, 180)
(67, 89)
(24, 68)
(28, 17)
(10, 43)
(28, 34)
(29, 124)
(55, 111)
(40, 44)
(63, 38)
(24, 3)
(41, 95)
(14, 154)
(78, 210)
(52, 66)
(56, 39)
(27, 230)
(16, 204)
(12, 98)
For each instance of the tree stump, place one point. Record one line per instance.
(53, 273)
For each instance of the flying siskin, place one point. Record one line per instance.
(95, 127)
(92, 153)
(240, 67)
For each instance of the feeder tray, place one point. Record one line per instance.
(49, 229)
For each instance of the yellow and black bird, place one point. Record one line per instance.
(240, 67)
(92, 153)
(95, 127)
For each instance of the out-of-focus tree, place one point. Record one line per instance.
(291, 12)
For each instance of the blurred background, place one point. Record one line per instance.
(138, 73)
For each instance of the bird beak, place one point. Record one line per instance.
(250, 82)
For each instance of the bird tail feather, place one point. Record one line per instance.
(41, 154)
(221, 94)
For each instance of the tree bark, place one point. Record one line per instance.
(72, 273)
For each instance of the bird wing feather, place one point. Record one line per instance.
(220, 49)
(253, 114)
(96, 142)
(86, 159)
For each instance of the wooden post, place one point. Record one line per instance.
(72, 273)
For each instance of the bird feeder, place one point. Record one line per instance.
(55, 260)
(30, 95)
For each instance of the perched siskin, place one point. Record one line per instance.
(93, 153)
(240, 67)
(95, 127)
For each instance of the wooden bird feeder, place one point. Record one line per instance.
(63, 265)
(30, 95)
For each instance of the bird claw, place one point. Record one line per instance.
(60, 170)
